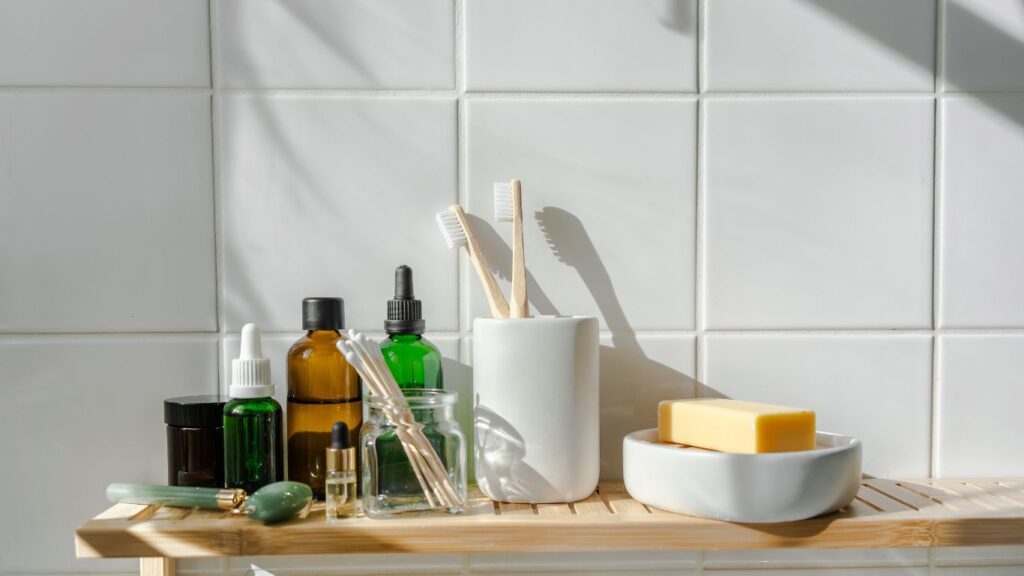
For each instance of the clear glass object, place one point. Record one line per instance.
(390, 485)
(340, 486)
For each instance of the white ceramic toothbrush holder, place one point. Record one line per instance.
(535, 408)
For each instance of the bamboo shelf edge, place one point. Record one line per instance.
(886, 514)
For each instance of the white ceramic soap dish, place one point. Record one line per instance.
(755, 488)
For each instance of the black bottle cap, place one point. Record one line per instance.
(323, 313)
(405, 312)
(339, 436)
(195, 411)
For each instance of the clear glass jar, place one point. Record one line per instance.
(391, 486)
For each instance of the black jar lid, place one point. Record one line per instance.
(195, 411)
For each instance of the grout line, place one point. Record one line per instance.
(218, 236)
(56, 336)
(937, 135)
(698, 260)
(699, 222)
(440, 93)
(934, 460)
(194, 90)
(702, 50)
(940, 46)
(737, 333)
(462, 164)
(340, 94)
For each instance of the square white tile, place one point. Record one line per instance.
(608, 202)
(641, 561)
(977, 555)
(357, 564)
(978, 425)
(984, 45)
(637, 372)
(360, 44)
(818, 213)
(981, 266)
(581, 45)
(78, 414)
(571, 569)
(104, 43)
(979, 570)
(898, 571)
(327, 197)
(820, 45)
(108, 212)
(875, 388)
(814, 558)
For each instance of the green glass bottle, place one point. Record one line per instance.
(415, 362)
(253, 431)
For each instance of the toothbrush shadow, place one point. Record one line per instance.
(499, 257)
(632, 384)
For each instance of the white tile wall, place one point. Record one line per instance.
(818, 213)
(328, 196)
(902, 571)
(637, 372)
(744, 192)
(984, 46)
(820, 45)
(332, 44)
(977, 400)
(797, 558)
(580, 45)
(78, 414)
(876, 388)
(608, 201)
(982, 146)
(104, 43)
(107, 212)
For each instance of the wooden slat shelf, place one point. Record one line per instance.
(886, 514)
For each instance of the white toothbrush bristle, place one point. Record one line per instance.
(451, 229)
(503, 202)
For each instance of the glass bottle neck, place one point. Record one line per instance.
(322, 334)
(405, 337)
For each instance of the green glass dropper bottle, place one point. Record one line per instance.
(413, 360)
(253, 432)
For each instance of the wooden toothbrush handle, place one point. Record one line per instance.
(520, 307)
(499, 306)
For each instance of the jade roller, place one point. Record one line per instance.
(272, 503)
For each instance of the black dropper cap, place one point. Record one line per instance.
(339, 436)
(323, 313)
(405, 312)
(340, 456)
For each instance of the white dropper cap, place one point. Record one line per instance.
(250, 372)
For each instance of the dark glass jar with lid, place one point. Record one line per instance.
(195, 440)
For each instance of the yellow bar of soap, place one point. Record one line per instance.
(735, 426)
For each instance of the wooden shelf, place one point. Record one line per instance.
(886, 513)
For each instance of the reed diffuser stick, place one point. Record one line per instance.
(364, 355)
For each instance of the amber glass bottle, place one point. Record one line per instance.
(322, 389)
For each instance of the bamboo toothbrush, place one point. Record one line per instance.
(508, 207)
(456, 232)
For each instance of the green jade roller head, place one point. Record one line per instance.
(272, 503)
